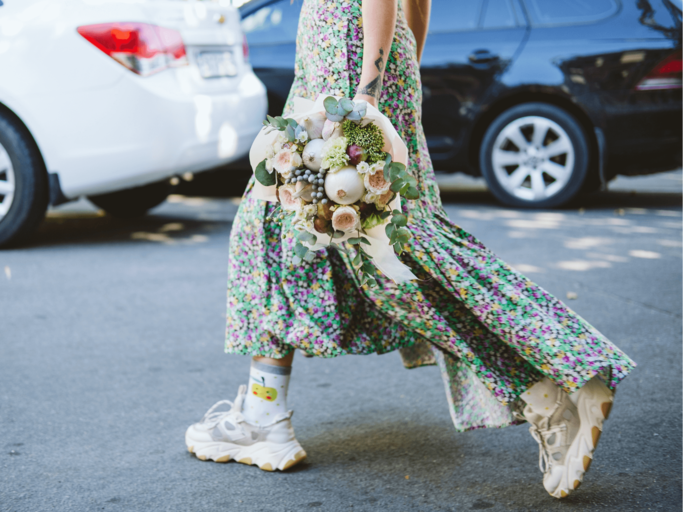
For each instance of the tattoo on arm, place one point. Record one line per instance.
(374, 87)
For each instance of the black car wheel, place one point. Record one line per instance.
(534, 155)
(133, 202)
(23, 182)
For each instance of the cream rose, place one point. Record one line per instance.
(345, 219)
(383, 199)
(285, 160)
(376, 183)
(377, 166)
(287, 199)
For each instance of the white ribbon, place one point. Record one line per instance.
(382, 253)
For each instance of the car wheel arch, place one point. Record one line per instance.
(7, 111)
(509, 101)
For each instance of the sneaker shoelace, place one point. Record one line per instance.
(540, 434)
(213, 417)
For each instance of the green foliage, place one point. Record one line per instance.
(368, 137)
(401, 181)
(362, 262)
(264, 177)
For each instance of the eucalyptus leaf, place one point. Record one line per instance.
(338, 234)
(412, 193)
(394, 173)
(346, 104)
(310, 255)
(291, 122)
(300, 250)
(334, 117)
(330, 104)
(354, 241)
(264, 177)
(296, 260)
(356, 260)
(354, 116)
(368, 267)
(385, 215)
(289, 132)
(365, 241)
(397, 185)
(389, 229)
(399, 219)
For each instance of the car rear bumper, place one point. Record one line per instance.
(143, 130)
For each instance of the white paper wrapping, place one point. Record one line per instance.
(382, 253)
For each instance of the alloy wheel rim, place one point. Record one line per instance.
(7, 182)
(533, 158)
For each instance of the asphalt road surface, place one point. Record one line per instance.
(111, 344)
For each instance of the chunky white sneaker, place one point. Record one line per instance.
(569, 434)
(222, 436)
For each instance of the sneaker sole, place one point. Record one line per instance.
(594, 404)
(267, 456)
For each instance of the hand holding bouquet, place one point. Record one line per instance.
(338, 168)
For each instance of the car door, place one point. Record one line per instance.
(271, 34)
(470, 44)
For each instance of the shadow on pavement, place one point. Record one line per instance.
(96, 228)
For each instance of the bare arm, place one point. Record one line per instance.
(417, 15)
(379, 23)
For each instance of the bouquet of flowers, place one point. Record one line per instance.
(338, 169)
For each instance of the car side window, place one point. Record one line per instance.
(569, 12)
(498, 14)
(275, 23)
(454, 15)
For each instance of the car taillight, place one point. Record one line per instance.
(245, 47)
(665, 75)
(143, 48)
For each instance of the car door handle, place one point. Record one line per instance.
(482, 57)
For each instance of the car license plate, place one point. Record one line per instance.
(216, 64)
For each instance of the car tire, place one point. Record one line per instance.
(534, 155)
(133, 202)
(23, 183)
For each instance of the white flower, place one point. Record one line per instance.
(303, 136)
(345, 219)
(270, 152)
(370, 197)
(287, 199)
(363, 168)
(310, 210)
(278, 141)
(269, 165)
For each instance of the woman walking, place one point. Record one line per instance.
(509, 351)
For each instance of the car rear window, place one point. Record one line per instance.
(568, 12)
(454, 15)
(276, 23)
(462, 15)
(498, 14)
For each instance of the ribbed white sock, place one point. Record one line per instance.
(542, 397)
(267, 394)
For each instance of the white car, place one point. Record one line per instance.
(110, 98)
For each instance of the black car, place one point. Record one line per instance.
(544, 98)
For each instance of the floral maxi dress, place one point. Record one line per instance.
(491, 330)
